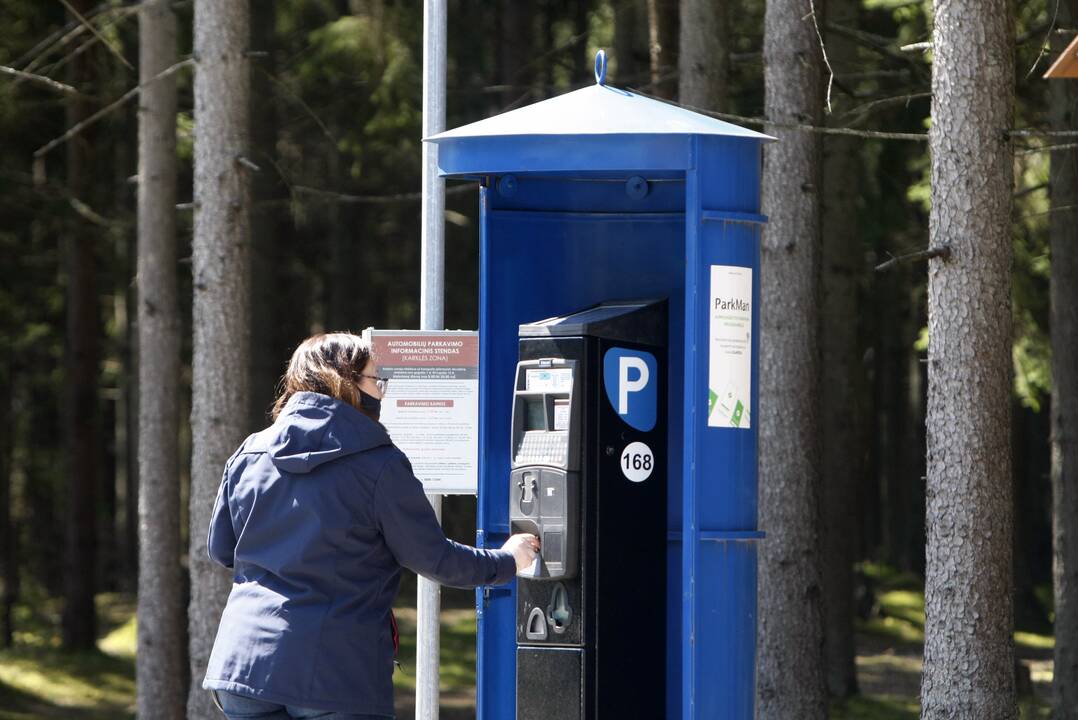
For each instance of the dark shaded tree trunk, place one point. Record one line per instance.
(81, 409)
(272, 296)
(160, 689)
(9, 568)
(1064, 309)
(663, 47)
(969, 648)
(632, 57)
(790, 670)
(517, 56)
(703, 54)
(220, 267)
(842, 384)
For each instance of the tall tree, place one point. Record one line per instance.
(518, 64)
(841, 374)
(160, 690)
(663, 47)
(8, 564)
(81, 407)
(790, 680)
(631, 43)
(1064, 434)
(969, 648)
(220, 260)
(704, 54)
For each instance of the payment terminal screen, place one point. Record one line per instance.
(549, 380)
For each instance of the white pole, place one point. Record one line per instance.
(431, 317)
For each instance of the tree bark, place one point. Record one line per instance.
(9, 567)
(969, 647)
(790, 677)
(517, 57)
(81, 408)
(663, 47)
(631, 54)
(160, 689)
(1064, 309)
(220, 262)
(841, 381)
(704, 54)
(267, 267)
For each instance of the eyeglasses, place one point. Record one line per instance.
(381, 382)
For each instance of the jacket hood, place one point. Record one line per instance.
(314, 429)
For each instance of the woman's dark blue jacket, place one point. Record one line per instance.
(316, 515)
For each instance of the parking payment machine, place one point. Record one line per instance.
(588, 476)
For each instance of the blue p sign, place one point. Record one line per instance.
(631, 380)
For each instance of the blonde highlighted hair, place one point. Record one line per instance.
(328, 363)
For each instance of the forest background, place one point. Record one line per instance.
(334, 162)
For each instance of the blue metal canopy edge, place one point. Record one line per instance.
(596, 128)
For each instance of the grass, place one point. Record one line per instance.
(38, 681)
(457, 673)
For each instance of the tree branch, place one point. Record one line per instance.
(944, 252)
(40, 79)
(91, 28)
(79, 127)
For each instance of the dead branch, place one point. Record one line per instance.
(91, 28)
(944, 252)
(40, 79)
(79, 127)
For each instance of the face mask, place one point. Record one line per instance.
(370, 404)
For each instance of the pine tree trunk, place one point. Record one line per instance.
(841, 381)
(160, 689)
(631, 54)
(969, 648)
(1064, 302)
(663, 47)
(219, 404)
(704, 54)
(8, 563)
(790, 677)
(517, 57)
(269, 304)
(81, 410)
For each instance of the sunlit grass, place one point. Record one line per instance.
(876, 708)
(1034, 641)
(457, 670)
(39, 681)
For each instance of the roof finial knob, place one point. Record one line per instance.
(600, 67)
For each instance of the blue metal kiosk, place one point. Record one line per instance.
(602, 194)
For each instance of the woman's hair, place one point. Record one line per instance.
(327, 363)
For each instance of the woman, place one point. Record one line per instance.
(316, 516)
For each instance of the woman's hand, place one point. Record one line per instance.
(524, 547)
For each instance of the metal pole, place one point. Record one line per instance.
(431, 317)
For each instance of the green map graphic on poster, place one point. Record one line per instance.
(730, 347)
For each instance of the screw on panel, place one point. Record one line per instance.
(507, 186)
(636, 187)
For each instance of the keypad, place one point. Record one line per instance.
(542, 447)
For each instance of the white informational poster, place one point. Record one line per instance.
(431, 406)
(730, 347)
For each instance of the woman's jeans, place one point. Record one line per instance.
(240, 707)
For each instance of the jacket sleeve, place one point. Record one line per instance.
(411, 530)
(221, 542)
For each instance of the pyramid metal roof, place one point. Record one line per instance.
(595, 129)
(599, 110)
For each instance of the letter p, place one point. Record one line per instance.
(625, 385)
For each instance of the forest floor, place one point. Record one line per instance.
(39, 682)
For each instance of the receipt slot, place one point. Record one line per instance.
(588, 476)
